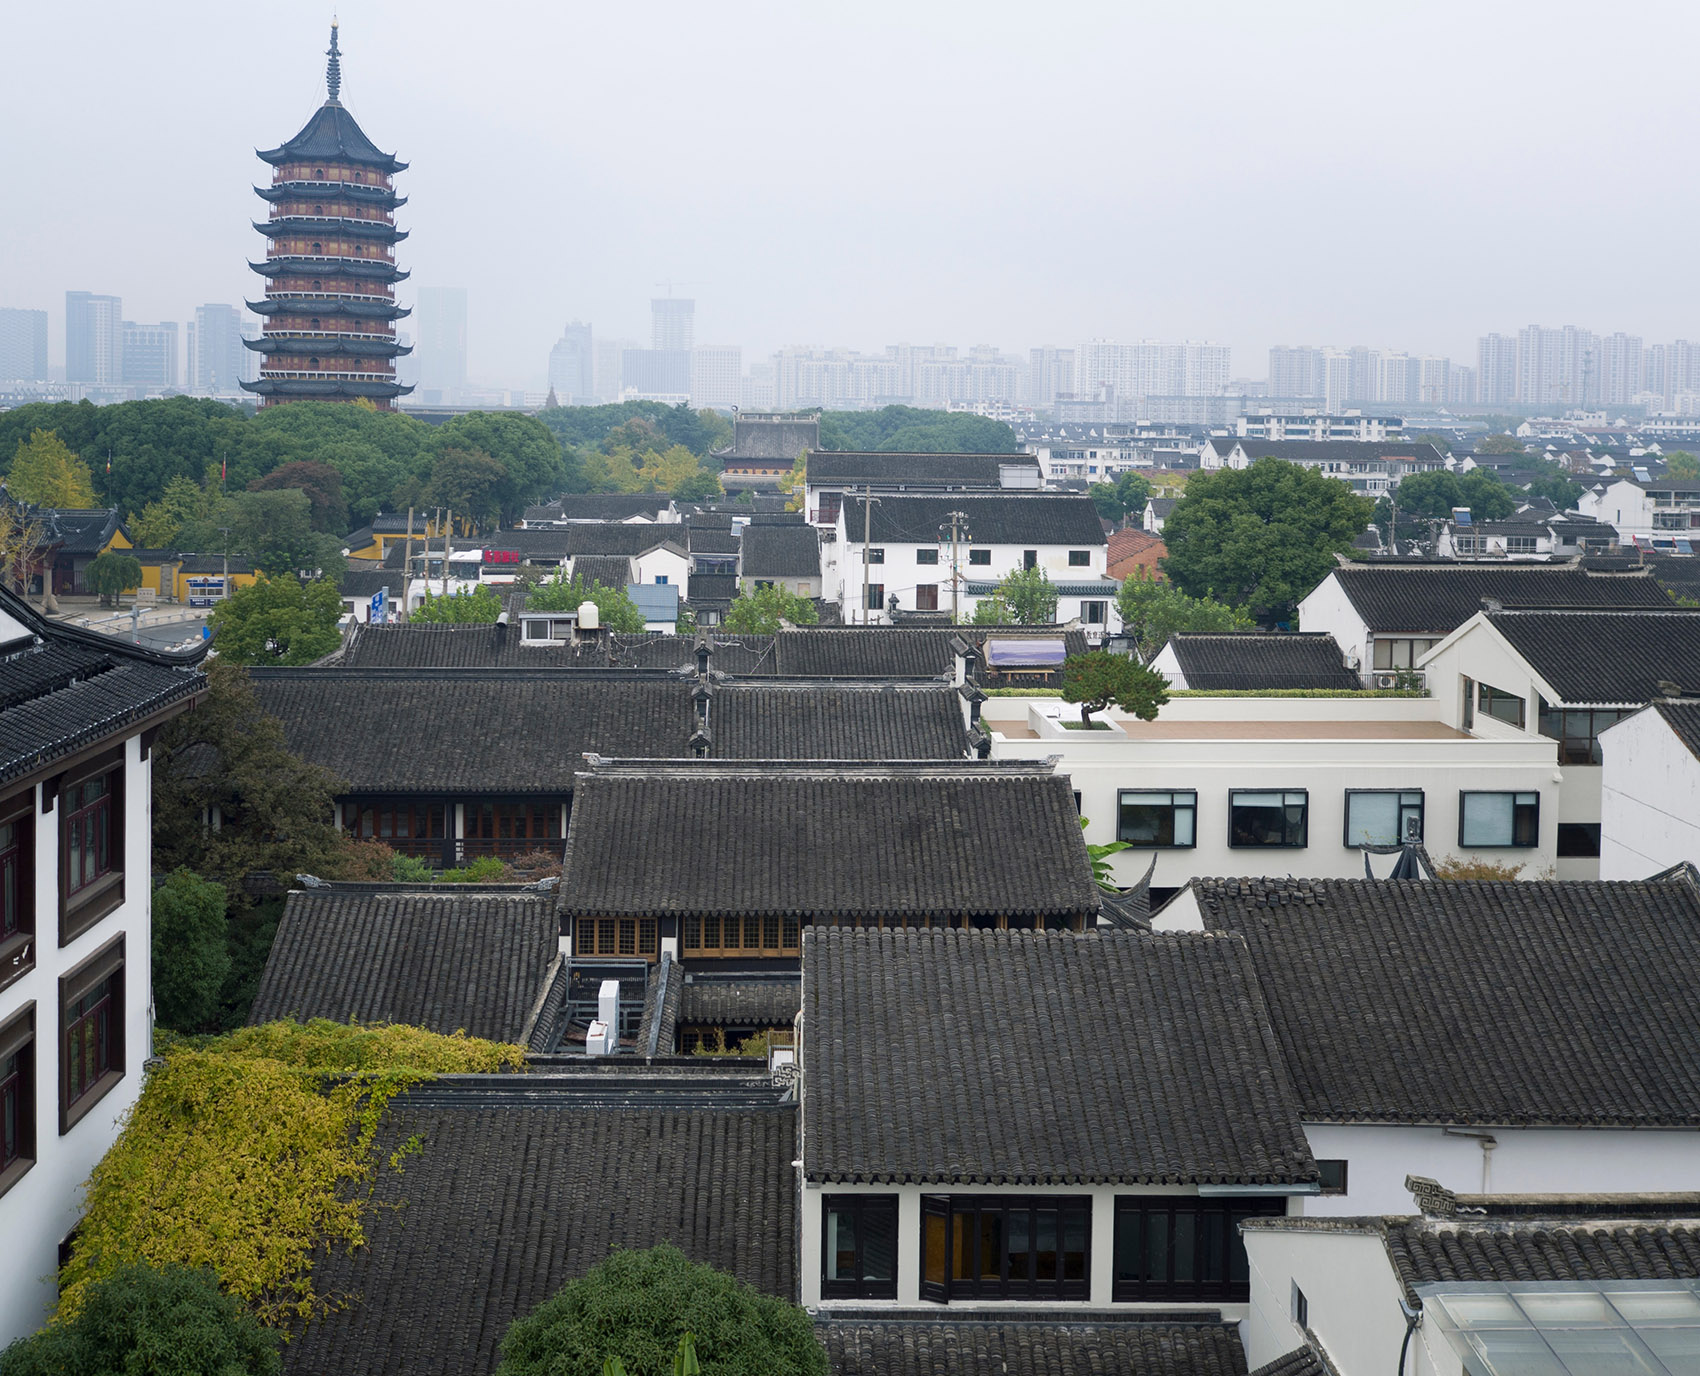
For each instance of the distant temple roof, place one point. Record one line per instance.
(331, 135)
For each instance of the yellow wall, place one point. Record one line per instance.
(119, 540)
(237, 580)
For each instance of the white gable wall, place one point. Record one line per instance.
(1327, 608)
(1352, 1292)
(1649, 799)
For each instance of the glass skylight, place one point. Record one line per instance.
(1569, 1328)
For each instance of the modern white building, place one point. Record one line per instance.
(76, 1017)
(1660, 513)
(1318, 425)
(1371, 468)
(830, 474)
(1650, 791)
(717, 376)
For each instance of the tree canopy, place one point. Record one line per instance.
(190, 956)
(279, 621)
(481, 603)
(909, 430)
(1262, 537)
(1099, 679)
(1679, 463)
(1426, 497)
(559, 594)
(1123, 498)
(1499, 444)
(1153, 610)
(761, 611)
(319, 483)
(45, 472)
(112, 573)
(637, 1305)
(1024, 597)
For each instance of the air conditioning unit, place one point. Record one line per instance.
(1387, 680)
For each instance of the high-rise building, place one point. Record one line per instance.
(717, 375)
(1557, 369)
(218, 362)
(1463, 387)
(1294, 371)
(656, 374)
(442, 340)
(572, 366)
(150, 355)
(94, 338)
(611, 367)
(1334, 381)
(1050, 371)
(330, 269)
(1364, 384)
(1623, 369)
(1128, 373)
(1496, 370)
(23, 345)
(672, 323)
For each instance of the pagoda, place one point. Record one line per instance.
(330, 270)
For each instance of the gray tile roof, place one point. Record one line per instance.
(781, 551)
(988, 1345)
(810, 839)
(1544, 1249)
(780, 440)
(365, 583)
(616, 537)
(1683, 718)
(754, 1000)
(77, 530)
(1032, 519)
(510, 1197)
(1607, 657)
(1249, 661)
(517, 731)
(1337, 451)
(463, 960)
(1041, 1058)
(711, 539)
(835, 467)
(1470, 1002)
(600, 506)
(1301, 1361)
(1438, 598)
(711, 589)
(610, 570)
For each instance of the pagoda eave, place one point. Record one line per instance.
(285, 343)
(353, 191)
(293, 387)
(330, 267)
(278, 156)
(310, 305)
(326, 224)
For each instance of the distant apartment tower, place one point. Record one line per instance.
(1334, 378)
(1496, 370)
(1557, 369)
(23, 345)
(610, 371)
(1623, 369)
(94, 338)
(717, 376)
(218, 362)
(672, 323)
(572, 366)
(1050, 372)
(442, 339)
(1463, 386)
(150, 356)
(1294, 371)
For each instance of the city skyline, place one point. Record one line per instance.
(882, 238)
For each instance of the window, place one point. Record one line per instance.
(17, 874)
(1577, 730)
(731, 934)
(1079, 558)
(1519, 544)
(91, 1039)
(1029, 558)
(763, 583)
(1578, 840)
(926, 597)
(1469, 702)
(1383, 818)
(1180, 1247)
(1402, 652)
(1487, 820)
(17, 1096)
(661, 580)
(1496, 702)
(1157, 819)
(1333, 1176)
(926, 556)
(876, 596)
(1006, 1247)
(91, 842)
(617, 936)
(1301, 1307)
(1094, 613)
(876, 556)
(1269, 819)
(859, 1247)
(980, 556)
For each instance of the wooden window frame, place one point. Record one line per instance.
(105, 964)
(96, 899)
(1221, 1213)
(1030, 1288)
(17, 947)
(704, 935)
(17, 1038)
(926, 597)
(617, 938)
(858, 1288)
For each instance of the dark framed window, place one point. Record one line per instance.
(876, 555)
(88, 820)
(1577, 730)
(1006, 1247)
(1029, 558)
(1488, 821)
(1333, 1176)
(1158, 819)
(1499, 704)
(926, 597)
(876, 596)
(17, 1096)
(91, 1032)
(91, 845)
(1095, 613)
(926, 556)
(1383, 817)
(17, 887)
(1469, 702)
(859, 1246)
(979, 556)
(1578, 840)
(1273, 818)
(1183, 1247)
(1079, 558)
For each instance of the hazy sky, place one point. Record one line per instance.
(1406, 176)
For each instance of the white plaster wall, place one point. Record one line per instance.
(1327, 608)
(662, 563)
(1649, 799)
(42, 1207)
(1352, 1292)
(1168, 664)
(1524, 1161)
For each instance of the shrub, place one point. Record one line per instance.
(637, 1306)
(191, 955)
(1476, 869)
(486, 869)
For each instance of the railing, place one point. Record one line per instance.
(386, 297)
(287, 333)
(463, 848)
(279, 375)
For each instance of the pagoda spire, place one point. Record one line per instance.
(333, 68)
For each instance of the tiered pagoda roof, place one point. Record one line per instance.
(329, 306)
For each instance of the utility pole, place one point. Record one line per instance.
(448, 526)
(224, 587)
(958, 519)
(407, 563)
(867, 539)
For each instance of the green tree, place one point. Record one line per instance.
(1499, 444)
(1559, 488)
(45, 472)
(275, 530)
(761, 611)
(1123, 498)
(469, 483)
(142, 1320)
(1153, 610)
(559, 594)
(327, 511)
(909, 430)
(1261, 537)
(637, 1306)
(191, 957)
(278, 621)
(1099, 679)
(528, 453)
(1024, 597)
(182, 502)
(701, 486)
(1426, 497)
(479, 604)
(670, 469)
(112, 573)
(1679, 463)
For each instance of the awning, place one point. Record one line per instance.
(1034, 653)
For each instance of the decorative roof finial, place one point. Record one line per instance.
(333, 68)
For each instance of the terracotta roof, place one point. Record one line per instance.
(1133, 549)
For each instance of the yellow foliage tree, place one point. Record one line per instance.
(794, 480)
(249, 1152)
(45, 472)
(668, 470)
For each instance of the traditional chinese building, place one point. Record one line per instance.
(330, 270)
